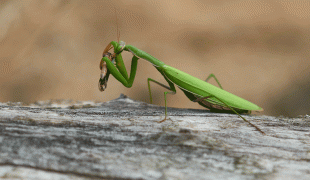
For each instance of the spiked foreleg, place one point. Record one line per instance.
(118, 71)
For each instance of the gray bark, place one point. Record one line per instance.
(121, 139)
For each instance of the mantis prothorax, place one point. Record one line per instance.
(207, 95)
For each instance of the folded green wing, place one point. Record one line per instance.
(202, 89)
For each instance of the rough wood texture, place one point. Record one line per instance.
(121, 139)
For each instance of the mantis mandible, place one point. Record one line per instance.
(207, 95)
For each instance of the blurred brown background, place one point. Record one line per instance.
(259, 50)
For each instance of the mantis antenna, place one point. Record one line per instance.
(118, 34)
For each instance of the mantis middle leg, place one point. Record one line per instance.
(172, 91)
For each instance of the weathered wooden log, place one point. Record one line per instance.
(121, 139)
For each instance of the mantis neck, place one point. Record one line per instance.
(141, 54)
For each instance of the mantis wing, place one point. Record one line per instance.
(201, 88)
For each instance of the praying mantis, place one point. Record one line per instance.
(214, 98)
(207, 95)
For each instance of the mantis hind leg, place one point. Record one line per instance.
(172, 91)
(204, 98)
(213, 76)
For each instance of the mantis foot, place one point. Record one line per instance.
(164, 120)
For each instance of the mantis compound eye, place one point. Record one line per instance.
(122, 45)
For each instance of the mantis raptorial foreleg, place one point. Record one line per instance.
(119, 63)
(119, 70)
(218, 82)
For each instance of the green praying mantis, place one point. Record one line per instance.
(207, 95)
